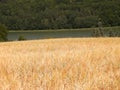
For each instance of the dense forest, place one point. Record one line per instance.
(58, 14)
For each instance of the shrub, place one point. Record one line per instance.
(98, 33)
(21, 38)
(111, 33)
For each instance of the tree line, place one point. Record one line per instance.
(58, 14)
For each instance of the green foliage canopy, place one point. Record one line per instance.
(57, 14)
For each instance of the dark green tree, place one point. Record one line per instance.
(100, 28)
(3, 33)
(55, 14)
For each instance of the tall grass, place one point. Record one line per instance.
(61, 64)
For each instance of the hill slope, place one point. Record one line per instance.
(61, 64)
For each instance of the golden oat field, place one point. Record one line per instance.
(60, 64)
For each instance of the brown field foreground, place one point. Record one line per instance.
(61, 64)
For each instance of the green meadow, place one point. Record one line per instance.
(58, 33)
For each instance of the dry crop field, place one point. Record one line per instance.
(61, 64)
